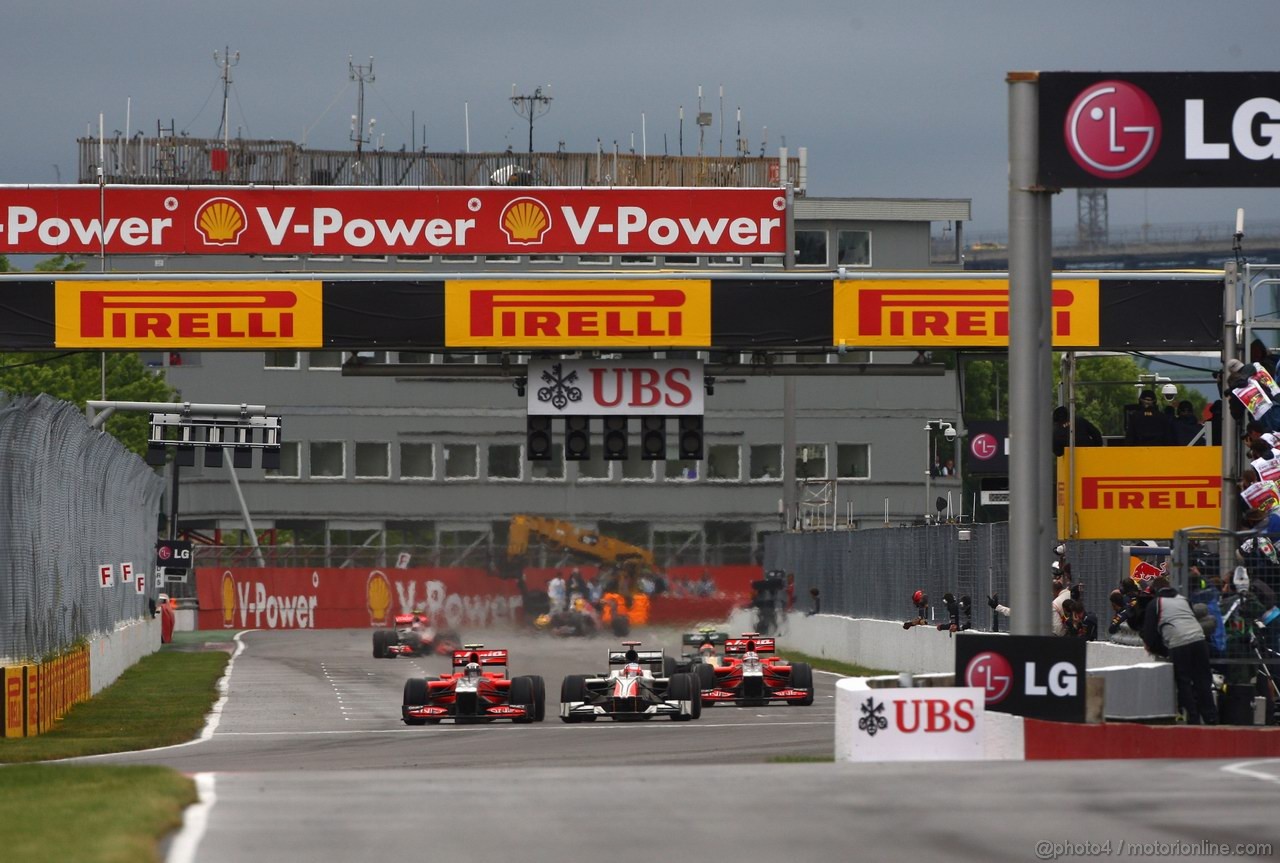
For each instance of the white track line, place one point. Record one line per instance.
(1241, 768)
(194, 821)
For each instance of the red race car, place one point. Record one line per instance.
(413, 635)
(477, 689)
(751, 674)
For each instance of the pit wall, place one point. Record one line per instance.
(1135, 688)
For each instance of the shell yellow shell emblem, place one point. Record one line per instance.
(228, 600)
(378, 593)
(526, 221)
(221, 221)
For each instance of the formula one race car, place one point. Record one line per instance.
(707, 644)
(746, 678)
(630, 690)
(413, 635)
(471, 692)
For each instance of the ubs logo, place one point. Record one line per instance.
(1113, 130)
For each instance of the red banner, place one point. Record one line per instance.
(302, 220)
(462, 599)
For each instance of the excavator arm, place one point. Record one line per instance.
(562, 534)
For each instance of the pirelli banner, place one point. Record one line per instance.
(1140, 492)
(267, 313)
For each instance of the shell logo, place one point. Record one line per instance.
(221, 221)
(378, 594)
(228, 600)
(525, 221)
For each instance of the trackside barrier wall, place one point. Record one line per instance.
(37, 695)
(77, 540)
(1136, 687)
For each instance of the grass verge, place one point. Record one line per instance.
(89, 814)
(848, 669)
(161, 700)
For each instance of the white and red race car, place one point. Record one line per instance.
(413, 635)
(750, 673)
(631, 689)
(476, 689)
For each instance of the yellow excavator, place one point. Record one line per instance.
(623, 603)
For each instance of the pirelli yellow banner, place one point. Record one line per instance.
(1140, 492)
(569, 314)
(191, 315)
(948, 313)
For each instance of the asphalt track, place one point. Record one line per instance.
(309, 761)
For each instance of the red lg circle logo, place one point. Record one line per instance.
(1113, 130)
(164, 552)
(991, 673)
(983, 446)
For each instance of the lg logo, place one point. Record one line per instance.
(983, 446)
(992, 673)
(1113, 130)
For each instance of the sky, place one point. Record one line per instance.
(892, 98)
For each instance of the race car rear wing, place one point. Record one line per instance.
(693, 639)
(409, 618)
(484, 657)
(742, 645)
(652, 658)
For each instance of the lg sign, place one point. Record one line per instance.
(1034, 676)
(1160, 129)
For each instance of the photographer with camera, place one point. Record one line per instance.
(765, 601)
(1170, 629)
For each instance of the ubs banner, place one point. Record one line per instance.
(1159, 129)
(1039, 676)
(922, 724)
(1123, 492)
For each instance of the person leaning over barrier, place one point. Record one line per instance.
(1170, 628)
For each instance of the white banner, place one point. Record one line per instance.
(918, 724)
(637, 387)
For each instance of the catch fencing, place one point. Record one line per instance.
(873, 573)
(73, 501)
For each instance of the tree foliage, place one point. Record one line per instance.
(77, 377)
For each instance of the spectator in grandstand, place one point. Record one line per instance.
(1087, 433)
(815, 603)
(1185, 425)
(556, 593)
(1258, 353)
(707, 586)
(1148, 425)
(1061, 593)
(1170, 629)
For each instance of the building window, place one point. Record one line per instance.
(853, 460)
(636, 468)
(546, 259)
(324, 360)
(459, 359)
(680, 471)
(417, 461)
(505, 460)
(766, 462)
(639, 260)
(724, 462)
(371, 357)
(725, 261)
(280, 360)
(595, 468)
(811, 461)
(854, 248)
(423, 357)
(681, 260)
(373, 460)
(288, 462)
(328, 459)
(551, 469)
(461, 461)
(854, 357)
(811, 248)
(595, 260)
(458, 259)
(501, 259)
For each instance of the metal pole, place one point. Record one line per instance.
(227, 457)
(173, 499)
(1069, 531)
(789, 449)
(1230, 435)
(928, 468)
(1029, 286)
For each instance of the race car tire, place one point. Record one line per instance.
(802, 678)
(521, 694)
(684, 687)
(539, 697)
(669, 666)
(379, 643)
(574, 689)
(620, 625)
(706, 676)
(415, 695)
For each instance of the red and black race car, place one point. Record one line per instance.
(413, 635)
(477, 689)
(751, 674)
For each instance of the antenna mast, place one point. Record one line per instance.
(362, 74)
(531, 106)
(225, 61)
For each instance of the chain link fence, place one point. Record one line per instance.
(873, 573)
(72, 499)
